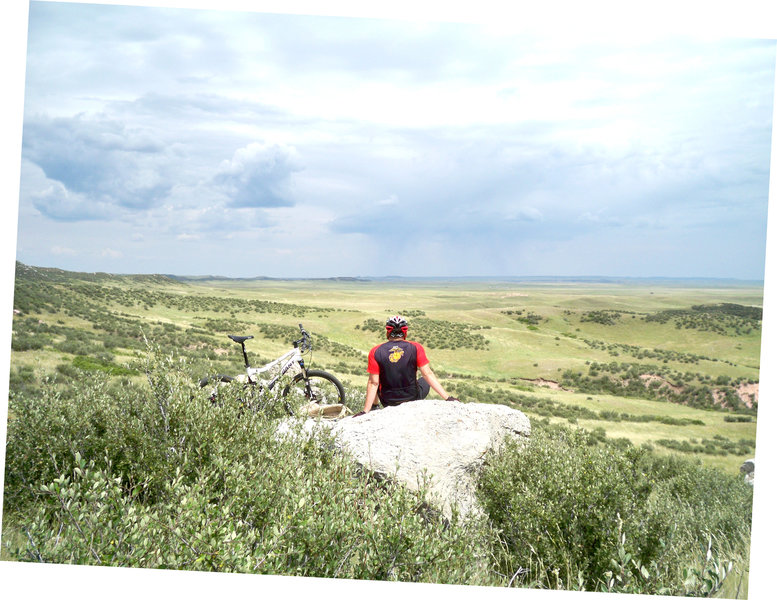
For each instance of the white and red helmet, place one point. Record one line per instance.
(395, 326)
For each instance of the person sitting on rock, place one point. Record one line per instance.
(393, 367)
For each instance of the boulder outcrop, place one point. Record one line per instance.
(748, 470)
(444, 443)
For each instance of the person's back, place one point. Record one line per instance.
(393, 367)
(396, 362)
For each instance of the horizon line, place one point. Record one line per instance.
(410, 277)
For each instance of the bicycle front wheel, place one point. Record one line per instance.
(319, 387)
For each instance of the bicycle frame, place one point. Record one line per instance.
(292, 357)
(312, 379)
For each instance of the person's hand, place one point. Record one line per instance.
(360, 413)
(451, 399)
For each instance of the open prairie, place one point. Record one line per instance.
(669, 364)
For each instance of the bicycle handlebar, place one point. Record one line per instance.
(305, 341)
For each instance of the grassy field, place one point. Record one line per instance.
(485, 339)
(642, 397)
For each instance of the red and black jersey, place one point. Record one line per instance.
(397, 361)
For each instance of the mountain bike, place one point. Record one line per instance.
(307, 387)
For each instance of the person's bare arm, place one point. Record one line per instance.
(372, 391)
(431, 378)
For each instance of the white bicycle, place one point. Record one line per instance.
(307, 387)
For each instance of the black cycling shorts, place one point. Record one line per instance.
(423, 391)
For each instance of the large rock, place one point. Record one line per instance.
(445, 442)
(748, 469)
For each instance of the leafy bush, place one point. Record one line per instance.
(569, 513)
(718, 446)
(626, 379)
(89, 363)
(93, 418)
(737, 419)
(116, 473)
(158, 477)
(724, 319)
(603, 317)
(529, 318)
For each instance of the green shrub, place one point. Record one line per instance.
(23, 343)
(557, 504)
(574, 515)
(109, 472)
(49, 426)
(90, 363)
(157, 477)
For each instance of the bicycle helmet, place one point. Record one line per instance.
(396, 326)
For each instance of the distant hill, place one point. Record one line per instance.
(604, 280)
(53, 274)
(220, 278)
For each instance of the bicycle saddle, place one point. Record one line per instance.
(240, 338)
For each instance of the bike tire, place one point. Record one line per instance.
(324, 388)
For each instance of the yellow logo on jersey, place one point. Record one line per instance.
(396, 354)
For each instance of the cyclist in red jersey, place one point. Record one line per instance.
(393, 366)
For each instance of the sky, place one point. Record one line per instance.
(194, 142)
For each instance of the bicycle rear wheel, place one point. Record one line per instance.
(319, 387)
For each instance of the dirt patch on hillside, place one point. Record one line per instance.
(747, 393)
(221, 351)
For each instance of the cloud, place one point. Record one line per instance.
(111, 253)
(258, 175)
(198, 107)
(179, 125)
(525, 213)
(391, 200)
(381, 50)
(102, 161)
(188, 237)
(58, 203)
(599, 218)
(63, 251)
